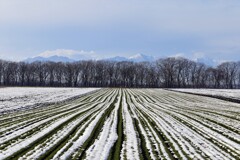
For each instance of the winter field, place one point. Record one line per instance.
(228, 93)
(18, 98)
(118, 124)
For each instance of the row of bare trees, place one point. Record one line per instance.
(167, 73)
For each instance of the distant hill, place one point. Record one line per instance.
(51, 58)
(55, 58)
(141, 58)
(134, 58)
(117, 59)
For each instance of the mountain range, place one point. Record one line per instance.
(134, 58)
(51, 58)
(56, 58)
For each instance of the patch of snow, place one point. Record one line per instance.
(16, 98)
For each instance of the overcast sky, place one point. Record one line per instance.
(106, 28)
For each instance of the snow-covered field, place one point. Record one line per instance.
(229, 93)
(124, 124)
(15, 98)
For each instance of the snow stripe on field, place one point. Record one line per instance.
(151, 123)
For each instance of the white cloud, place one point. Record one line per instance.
(177, 55)
(73, 54)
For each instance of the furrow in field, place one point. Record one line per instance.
(100, 149)
(124, 124)
(148, 143)
(223, 142)
(130, 146)
(206, 128)
(159, 140)
(175, 148)
(42, 149)
(78, 147)
(115, 151)
(34, 115)
(47, 145)
(17, 119)
(39, 134)
(170, 120)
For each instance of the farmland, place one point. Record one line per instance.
(124, 124)
(233, 94)
(19, 98)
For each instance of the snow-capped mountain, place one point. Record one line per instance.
(141, 58)
(51, 58)
(116, 59)
(56, 58)
(134, 58)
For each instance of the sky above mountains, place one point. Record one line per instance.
(107, 28)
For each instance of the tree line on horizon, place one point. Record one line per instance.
(163, 73)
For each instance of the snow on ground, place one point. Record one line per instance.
(15, 98)
(127, 123)
(102, 146)
(229, 93)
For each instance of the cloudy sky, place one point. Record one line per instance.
(106, 28)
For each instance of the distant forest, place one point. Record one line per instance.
(163, 73)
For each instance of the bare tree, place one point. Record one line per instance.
(169, 72)
(229, 70)
(22, 72)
